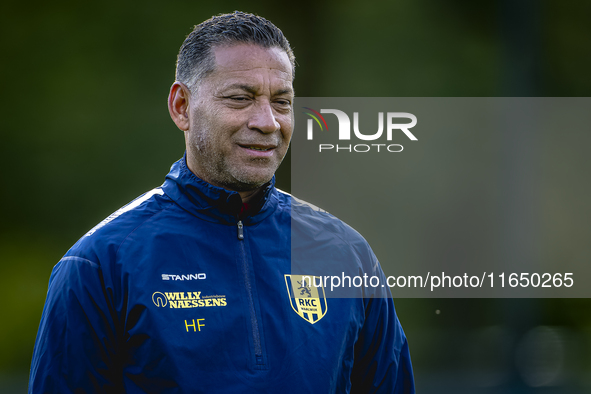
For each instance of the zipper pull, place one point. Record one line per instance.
(240, 230)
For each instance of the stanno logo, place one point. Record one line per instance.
(184, 277)
(344, 132)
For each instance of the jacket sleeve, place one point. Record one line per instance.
(382, 358)
(76, 344)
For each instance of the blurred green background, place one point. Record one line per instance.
(85, 129)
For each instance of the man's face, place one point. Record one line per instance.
(240, 117)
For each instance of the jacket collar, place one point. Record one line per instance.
(212, 203)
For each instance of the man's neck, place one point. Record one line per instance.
(249, 195)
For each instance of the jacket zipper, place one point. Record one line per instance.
(240, 230)
(256, 335)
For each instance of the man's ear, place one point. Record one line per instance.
(178, 105)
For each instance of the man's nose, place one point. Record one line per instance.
(263, 118)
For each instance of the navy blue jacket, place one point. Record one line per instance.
(178, 293)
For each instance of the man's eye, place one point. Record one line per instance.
(283, 102)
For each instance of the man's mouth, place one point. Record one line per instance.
(258, 147)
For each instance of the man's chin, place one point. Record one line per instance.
(244, 182)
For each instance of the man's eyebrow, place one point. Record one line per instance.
(252, 89)
(247, 88)
(283, 91)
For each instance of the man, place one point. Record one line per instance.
(189, 288)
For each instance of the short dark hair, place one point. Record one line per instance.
(195, 60)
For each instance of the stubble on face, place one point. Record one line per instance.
(213, 161)
(243, 106)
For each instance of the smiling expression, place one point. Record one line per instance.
(240, 117)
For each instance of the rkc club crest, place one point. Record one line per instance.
(307, 300)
